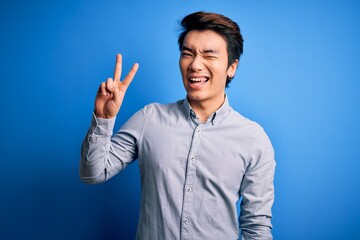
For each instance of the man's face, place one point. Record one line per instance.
(204, 66)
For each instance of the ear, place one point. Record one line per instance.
(232, 68)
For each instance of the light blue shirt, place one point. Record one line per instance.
(192, 173)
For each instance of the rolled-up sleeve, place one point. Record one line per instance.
(257, 190)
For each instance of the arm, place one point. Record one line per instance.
(95, 156)
(257, 190)
(103, 155)
(99, 159)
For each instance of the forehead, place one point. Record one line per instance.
(205, 40)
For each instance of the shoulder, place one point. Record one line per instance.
(260, 148)
(241, 121)
(161, 108)
(252, 129)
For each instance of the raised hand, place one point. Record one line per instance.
(111, 93)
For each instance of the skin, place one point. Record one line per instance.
(204, 69)
(111, 93)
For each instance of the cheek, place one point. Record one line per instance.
(181, 64)
(220, 77)
(183, 67)
(220, 69)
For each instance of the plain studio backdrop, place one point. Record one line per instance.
(299, 77)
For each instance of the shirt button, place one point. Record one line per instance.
(198, 131)
(189, 189)
(186, 220)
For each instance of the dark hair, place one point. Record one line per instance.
(218, 23)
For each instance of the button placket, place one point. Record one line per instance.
(189, 183)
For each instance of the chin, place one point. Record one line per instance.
(196, 96)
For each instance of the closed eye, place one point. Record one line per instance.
(210, 56)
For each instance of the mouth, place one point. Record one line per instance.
(197, 82)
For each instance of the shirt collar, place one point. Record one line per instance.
(215, 118)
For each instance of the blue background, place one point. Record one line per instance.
(299, 78)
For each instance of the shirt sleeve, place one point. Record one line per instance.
(257, 190)
(103, 154)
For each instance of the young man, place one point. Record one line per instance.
(197, 156)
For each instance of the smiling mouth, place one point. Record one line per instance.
(198, 81)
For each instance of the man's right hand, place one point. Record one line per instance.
(111, 93)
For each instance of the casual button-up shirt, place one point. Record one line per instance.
(192, 174)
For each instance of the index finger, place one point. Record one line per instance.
(118, 66)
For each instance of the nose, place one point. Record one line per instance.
(197, 64)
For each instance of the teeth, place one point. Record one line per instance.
(197, 79)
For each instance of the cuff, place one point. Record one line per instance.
(102, 126)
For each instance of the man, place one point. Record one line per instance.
(197, 156)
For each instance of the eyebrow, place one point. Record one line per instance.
(185, 48)
(210, 51)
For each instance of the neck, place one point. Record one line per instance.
(205, 108)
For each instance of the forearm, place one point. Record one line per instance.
(95, 151)
(103, 154)
(255, 214)
(256, 231)
(257, 191)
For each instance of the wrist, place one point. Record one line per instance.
(100, 115)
